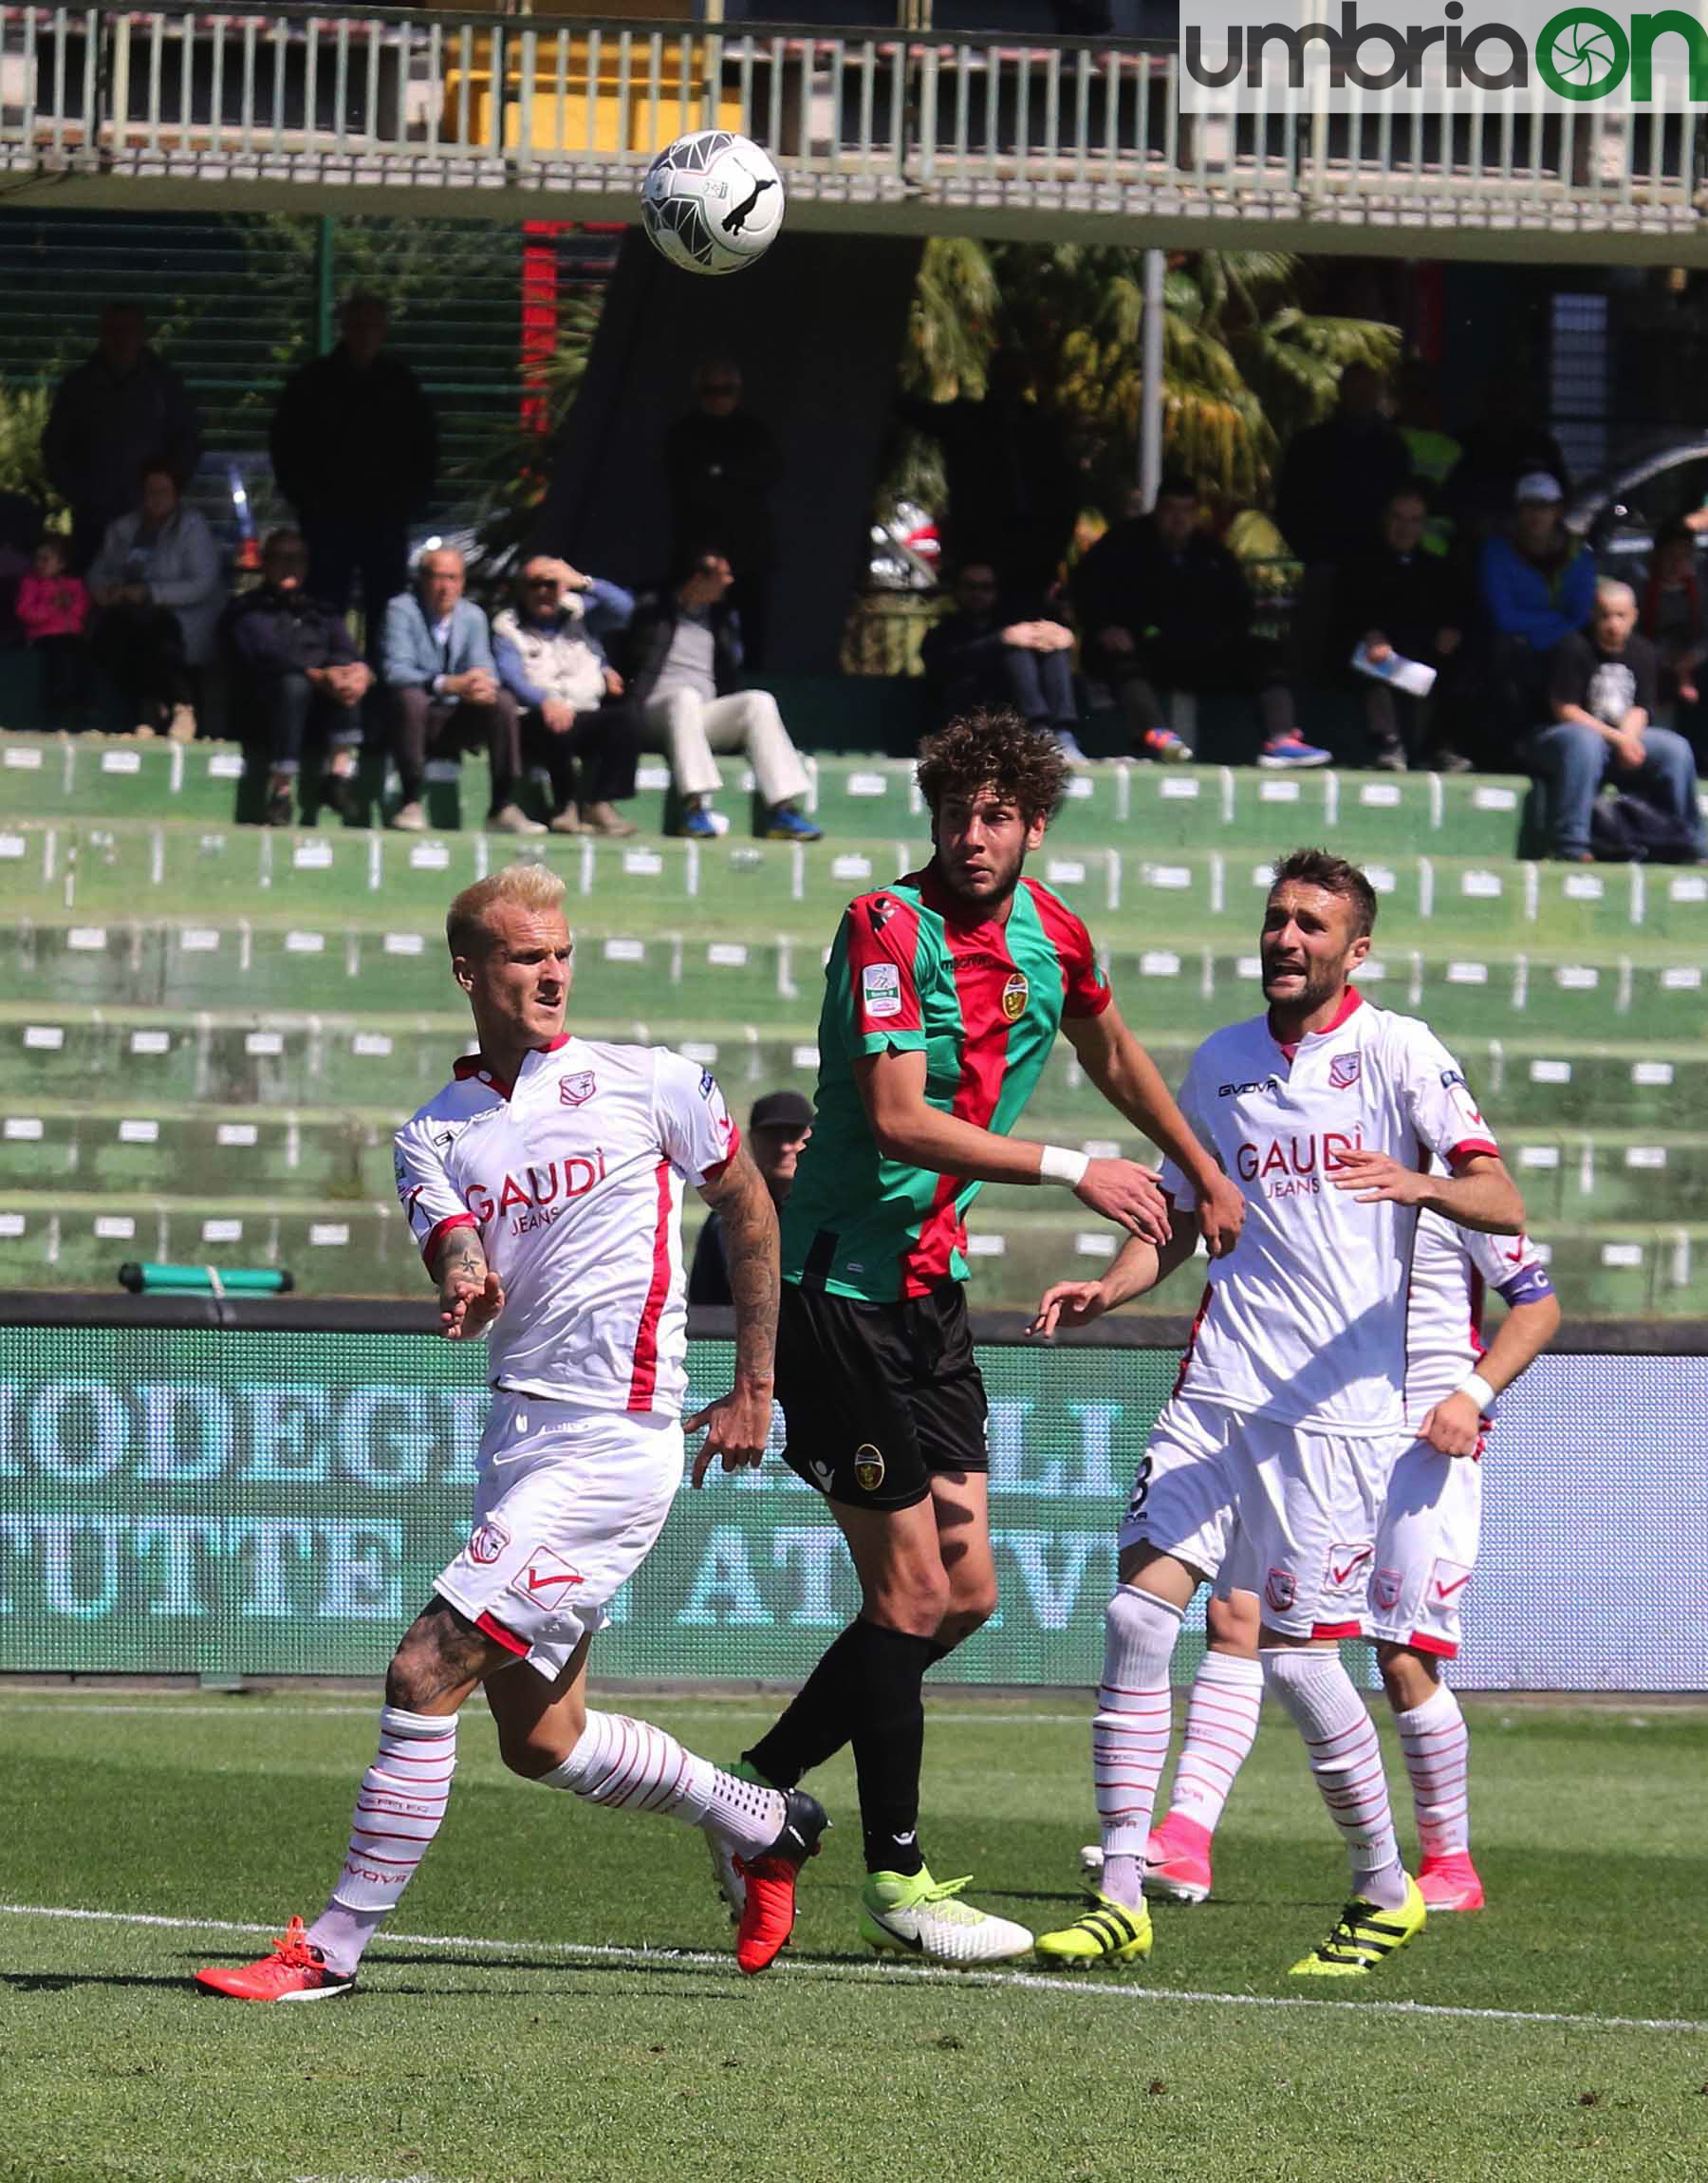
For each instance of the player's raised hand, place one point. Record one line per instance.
(1128, 1194)
(467, 1307)
(1069, 1304)
(1373, 1177)
(1221, 1211)
(1454, 1426)
(736, 1427)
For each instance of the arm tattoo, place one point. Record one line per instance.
(462, 1257)
(749, 1222)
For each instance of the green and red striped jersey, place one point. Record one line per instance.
(913, 971)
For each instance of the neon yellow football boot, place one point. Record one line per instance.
(1366, 1936)
(1109, 1932)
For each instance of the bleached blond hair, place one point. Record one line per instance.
(529, 885)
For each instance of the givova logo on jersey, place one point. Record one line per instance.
(541, 1194)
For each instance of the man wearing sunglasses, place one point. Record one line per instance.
(575, 724)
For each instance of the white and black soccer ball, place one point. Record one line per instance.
(711, 203)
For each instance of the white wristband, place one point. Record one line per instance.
(1481, 1393)
(1057, 1165)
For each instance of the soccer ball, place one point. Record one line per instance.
(711, 203)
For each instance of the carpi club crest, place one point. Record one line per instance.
(1345, 1070)
(577, 1090)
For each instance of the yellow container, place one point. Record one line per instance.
(576, 101)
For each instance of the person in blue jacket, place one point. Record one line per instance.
(1538, 584)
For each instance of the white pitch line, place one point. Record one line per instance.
(909, 1974)
(263, 1709)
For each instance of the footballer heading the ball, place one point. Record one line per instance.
(711, 203)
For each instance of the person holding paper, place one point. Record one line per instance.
(1399, 609)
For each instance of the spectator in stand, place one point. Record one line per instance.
(298, 673)
(721, 465)
(1538, 584)
(1672, 614)
(121, 407)
(1509, 442)
(983, 655)
(685, 665)
(354, 448)
(574, 722)
(1397, 597)
(53, 614)
(1601, 693)
(1334, 483)
(160, 588)
(1014, 481)
(445, 693)
(1166, 608)
(1432, 451)
(778, 1127)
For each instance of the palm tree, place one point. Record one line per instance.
(1245, 362)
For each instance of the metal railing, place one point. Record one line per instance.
(1007, 129)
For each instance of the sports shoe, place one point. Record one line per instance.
(281, 798)
(294, 1971)
(700, 822)
(784, 823)
(1176, 1862)
(1166, 748)
(1291, 751)
(726, 1865)
(1390, 758)
(768, 1909)
(336, 791)
(1450, 1883)
(1068, 744)
(910, 1914)
(566, 821)
(408, 818)
(1448, 760)
(1366, 1936)
(511, 819)
(607, 819)
(1109, 1932)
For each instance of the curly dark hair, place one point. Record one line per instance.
(994, 750)
(1334, 875)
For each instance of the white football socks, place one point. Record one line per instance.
(398, 1812)
(1437, 1757)
(1129, 1733)
(635, 1767)
(1221, 1725)
(1345, 1758)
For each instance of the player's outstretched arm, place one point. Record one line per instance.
(1479, 1194)
(1454, 1424)
(739, 1424)
(907, 1128)
(1139, 1268)
(471, 1295)
(1133, 1085)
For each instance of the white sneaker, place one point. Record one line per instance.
(914, 1914)
(509, 819)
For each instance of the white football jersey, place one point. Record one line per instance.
(1453, 1269)
(574, 1178)
(1305, 1322)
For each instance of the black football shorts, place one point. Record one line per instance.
(878, 1397)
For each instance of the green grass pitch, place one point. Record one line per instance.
(559, 1998)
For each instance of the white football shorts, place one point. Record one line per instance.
(1425, 1550)
(569, 1504)
(1293, 1511)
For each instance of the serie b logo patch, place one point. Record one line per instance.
(869, 1467)
(1015, 995)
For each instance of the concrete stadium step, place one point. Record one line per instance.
(1164, 991)
(385, 1063)
(78, 1239)
(294, 1154)
(96, 776)
(102, 869)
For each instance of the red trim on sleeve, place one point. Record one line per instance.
(644, 1379)
(1191, 1342)
(441, 1229)
(715, 1174)
(500, 1635)
(1437, 1647)
(1337, 1630)
(1470, 1149)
